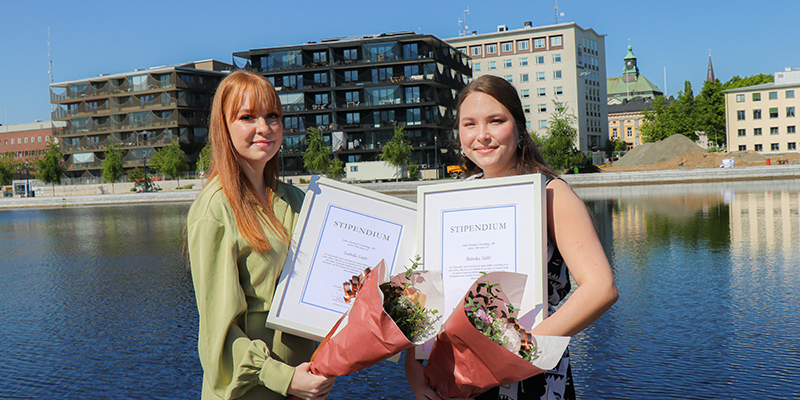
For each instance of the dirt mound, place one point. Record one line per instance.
(698, 159)
(658, 152)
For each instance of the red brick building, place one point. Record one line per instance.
(26, 141)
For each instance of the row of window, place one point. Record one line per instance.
(540, 76)
(522, 45)
(523, 62)
(37, 139)
(772, 131)
(773, 95)
(542, 92)
(21, 154)
(790, 146)
(773, 113)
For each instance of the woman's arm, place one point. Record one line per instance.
(416, 379)
(571, 228)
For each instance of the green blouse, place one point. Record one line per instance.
(234, 286)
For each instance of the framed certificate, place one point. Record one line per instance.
(487, 225)
(342, 230)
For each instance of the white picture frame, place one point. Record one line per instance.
(486, 225)
(341, 230)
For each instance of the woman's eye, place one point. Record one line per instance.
(245, 117)
(272, 116)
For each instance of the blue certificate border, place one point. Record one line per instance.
(390, 263)
(516, 231)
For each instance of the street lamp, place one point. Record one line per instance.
(27, 183)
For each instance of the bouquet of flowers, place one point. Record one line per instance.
(482, 345)
(385, 319)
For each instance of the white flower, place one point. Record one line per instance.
(511, 339)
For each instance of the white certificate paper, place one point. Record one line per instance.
(342, 230)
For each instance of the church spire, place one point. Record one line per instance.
(710, 74)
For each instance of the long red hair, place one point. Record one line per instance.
(238, 189)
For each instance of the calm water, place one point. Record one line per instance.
(96, 302)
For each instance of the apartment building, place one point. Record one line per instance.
(357, 88)
(22, 142)
(142, 111)
(763, 117)
(562, 64)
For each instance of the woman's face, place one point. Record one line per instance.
(488, 134)
(256, 136)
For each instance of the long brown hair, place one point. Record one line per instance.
(238, 189)
(528, 157)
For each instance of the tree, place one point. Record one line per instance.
(51, 166)
(397, 152)
(711, 112)
(112, 164)
(6, 171)
(559, 149)
(317, 158)
(336, 169)
(136, 175)
(737, 82)
(204, 160)
(684, 113)
(170, 161)
(654, 122)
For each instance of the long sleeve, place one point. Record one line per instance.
(234, 287)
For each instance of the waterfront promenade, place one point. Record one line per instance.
(90, 195)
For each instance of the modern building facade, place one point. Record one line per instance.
(560, 64)
(29, 141)
(141, 111)
(356, 89)
(763, 117)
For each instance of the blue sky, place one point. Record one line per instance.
(89, 38)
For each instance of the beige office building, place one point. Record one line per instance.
(764, 117)
(561, 63)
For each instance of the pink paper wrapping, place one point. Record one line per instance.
(465, 363)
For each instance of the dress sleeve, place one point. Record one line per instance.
(232, 362)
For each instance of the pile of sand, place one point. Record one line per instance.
(678, 152)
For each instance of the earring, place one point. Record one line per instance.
(462, 153)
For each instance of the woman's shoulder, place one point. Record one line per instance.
(210, 202)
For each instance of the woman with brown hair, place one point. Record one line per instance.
(495, 143)
(239, 228)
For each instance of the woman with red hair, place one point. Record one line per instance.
(239, 228)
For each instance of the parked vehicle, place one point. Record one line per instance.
(373, 171)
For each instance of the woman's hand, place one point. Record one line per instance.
(308, 386)
(416, 379)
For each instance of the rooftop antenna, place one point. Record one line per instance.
(49, 57)
(462, 24)
(556, 14)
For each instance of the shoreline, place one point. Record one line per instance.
(603, 179)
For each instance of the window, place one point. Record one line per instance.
(506, 63)
(26, 140)
(541, 92)
(528, 125)
(742, 147)
(791, 146)
(540, 76)
(556, 58)
(758, 147)
(522, 45)
(38, 139)
(321, 78)
(539, 59)
(555, 41)
(740, 115)
(476, 67)
(508, 47)
(542, 124)
(790, 94)
(559, 90)
(526, 109)
(492, 65)
(773, 130)
(412, 94)
(410, 51)
(350, 76)
(542, 108)
(350, 54)
(757, 132)
(351, 97)
(629, 131)
(323, 119)
(476, 51)
(525, 93)
(775, 147)
(321, 98)
(742, 132)
(47, 139)
(293, 123)
(773, 95)
(509, 78)
(740, 98)
(523, 77)
(789, 129)
(773, 112)
(756, 114)
(756, 96)
(413, 116)
(789, 112)
(382, 74)
(614, 133)
(523, 61)
(353, 118)
(12, 141)
(557, 74)
(319, 57)
(538, 43)
(491, 48)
